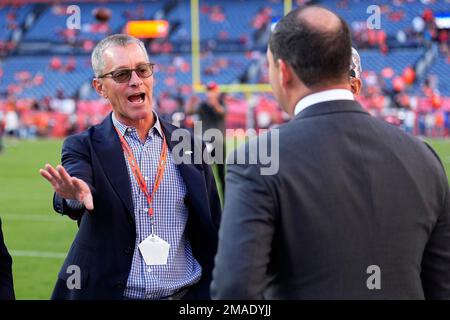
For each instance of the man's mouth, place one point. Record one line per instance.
(137, 98)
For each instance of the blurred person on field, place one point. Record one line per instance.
(147, 223)
(211, 112)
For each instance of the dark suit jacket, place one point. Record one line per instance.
(351, 192)
(103, 247)
(6, 278)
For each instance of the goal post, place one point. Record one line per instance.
(197, 85)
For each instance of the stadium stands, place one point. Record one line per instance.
(46, 60)
(11, 18)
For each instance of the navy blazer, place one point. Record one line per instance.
(6, 279)
(103, 247)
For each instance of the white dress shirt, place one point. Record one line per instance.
(323, 96)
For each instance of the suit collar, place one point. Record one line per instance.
(334, 106)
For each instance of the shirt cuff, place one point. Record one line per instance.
(74, 204)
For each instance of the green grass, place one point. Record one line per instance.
(442, 148)
(31, 227)
(37, 237)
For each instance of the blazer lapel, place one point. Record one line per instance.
(109, 152)
(193, 178)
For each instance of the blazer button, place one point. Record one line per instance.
(130, 221)
(128, 250)
(120, 285)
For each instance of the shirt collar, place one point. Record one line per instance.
(323, 96)
(123, 128)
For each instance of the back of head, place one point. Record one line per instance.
(316, 43)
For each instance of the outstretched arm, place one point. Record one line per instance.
(72, 181)
(67, 187)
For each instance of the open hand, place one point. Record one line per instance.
(66, 186)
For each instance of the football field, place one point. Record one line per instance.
(37, 237)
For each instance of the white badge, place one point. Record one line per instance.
(154, 250)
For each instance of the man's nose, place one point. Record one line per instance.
(135, 80)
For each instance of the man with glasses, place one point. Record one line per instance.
(147, 223)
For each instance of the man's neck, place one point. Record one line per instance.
(142, 126)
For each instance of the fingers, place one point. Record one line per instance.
(80, 185)
(88, 201)
(46, 175)
(65, 177)
(60, 180)
(66, 186)
(54, 175)
(50, 174)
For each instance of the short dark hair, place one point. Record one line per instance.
(315, 56)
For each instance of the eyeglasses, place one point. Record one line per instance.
(124, 75)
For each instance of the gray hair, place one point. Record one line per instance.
(120, 40)
(355, 65)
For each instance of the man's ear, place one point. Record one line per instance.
(356, 85)
(97, 84)
(285, 73)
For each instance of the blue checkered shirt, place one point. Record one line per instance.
(170, 216)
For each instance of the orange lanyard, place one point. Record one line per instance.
(138, 175)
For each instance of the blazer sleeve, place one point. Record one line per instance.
(436, 258)
(6, 279)
(76, 159)
(245, 235)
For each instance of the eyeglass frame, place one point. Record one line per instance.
(131, 72)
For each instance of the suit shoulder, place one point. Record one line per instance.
(81, 139)
(420, 144)
(75, 139)
(86, 134)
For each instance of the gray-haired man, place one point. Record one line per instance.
(148, 227)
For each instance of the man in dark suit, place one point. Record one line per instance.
(147, 222)
(358, 208)
(6, 278)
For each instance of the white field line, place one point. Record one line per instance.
(35, 217)
(37, 254)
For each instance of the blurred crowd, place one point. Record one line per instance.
(406, 99)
